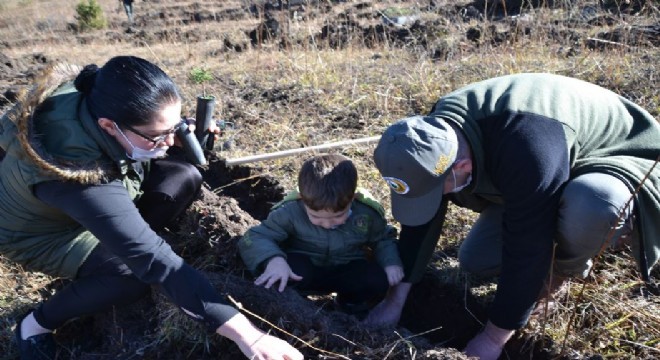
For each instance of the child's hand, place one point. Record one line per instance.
(278, 270)
(394, 274)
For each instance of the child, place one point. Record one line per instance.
(320, 237)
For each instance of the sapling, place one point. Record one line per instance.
(201, 76)
(205, 107)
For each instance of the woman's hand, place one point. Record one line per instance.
(215, 129)
(191, 122)
(256, 344)
(269, 347)
(277, 270)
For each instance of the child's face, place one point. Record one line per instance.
(328, 219)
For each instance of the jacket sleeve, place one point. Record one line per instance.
(109, 213)
(262, 242)
(417, 244)
(384, 242)
(530, 165)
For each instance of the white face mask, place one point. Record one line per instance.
(139, 154)
(459, 188)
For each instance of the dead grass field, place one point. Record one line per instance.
(302, 89)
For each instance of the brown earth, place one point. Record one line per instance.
(441, 315)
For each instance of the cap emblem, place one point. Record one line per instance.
(398, 186)
(443, 163)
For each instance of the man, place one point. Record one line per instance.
(545, 159)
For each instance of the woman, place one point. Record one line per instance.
(84, 189)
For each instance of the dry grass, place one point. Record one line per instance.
(311, 94)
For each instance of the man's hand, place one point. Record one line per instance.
(394, 274)
(388, 311)
(488, 344)
(277, 270)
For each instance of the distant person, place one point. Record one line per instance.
(128, 7)
(323, 237)
(86, 185)
(545, 159)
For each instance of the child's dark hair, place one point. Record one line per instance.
(327, 182)
(127, 89)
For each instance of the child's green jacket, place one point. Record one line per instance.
(288, 230)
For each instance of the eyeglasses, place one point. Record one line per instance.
(157, 140)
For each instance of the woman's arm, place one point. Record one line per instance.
(109, 213)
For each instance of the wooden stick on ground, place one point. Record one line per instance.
(283, 153)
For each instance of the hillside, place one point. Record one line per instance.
(298, 73)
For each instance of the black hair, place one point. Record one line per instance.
(127, 89)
